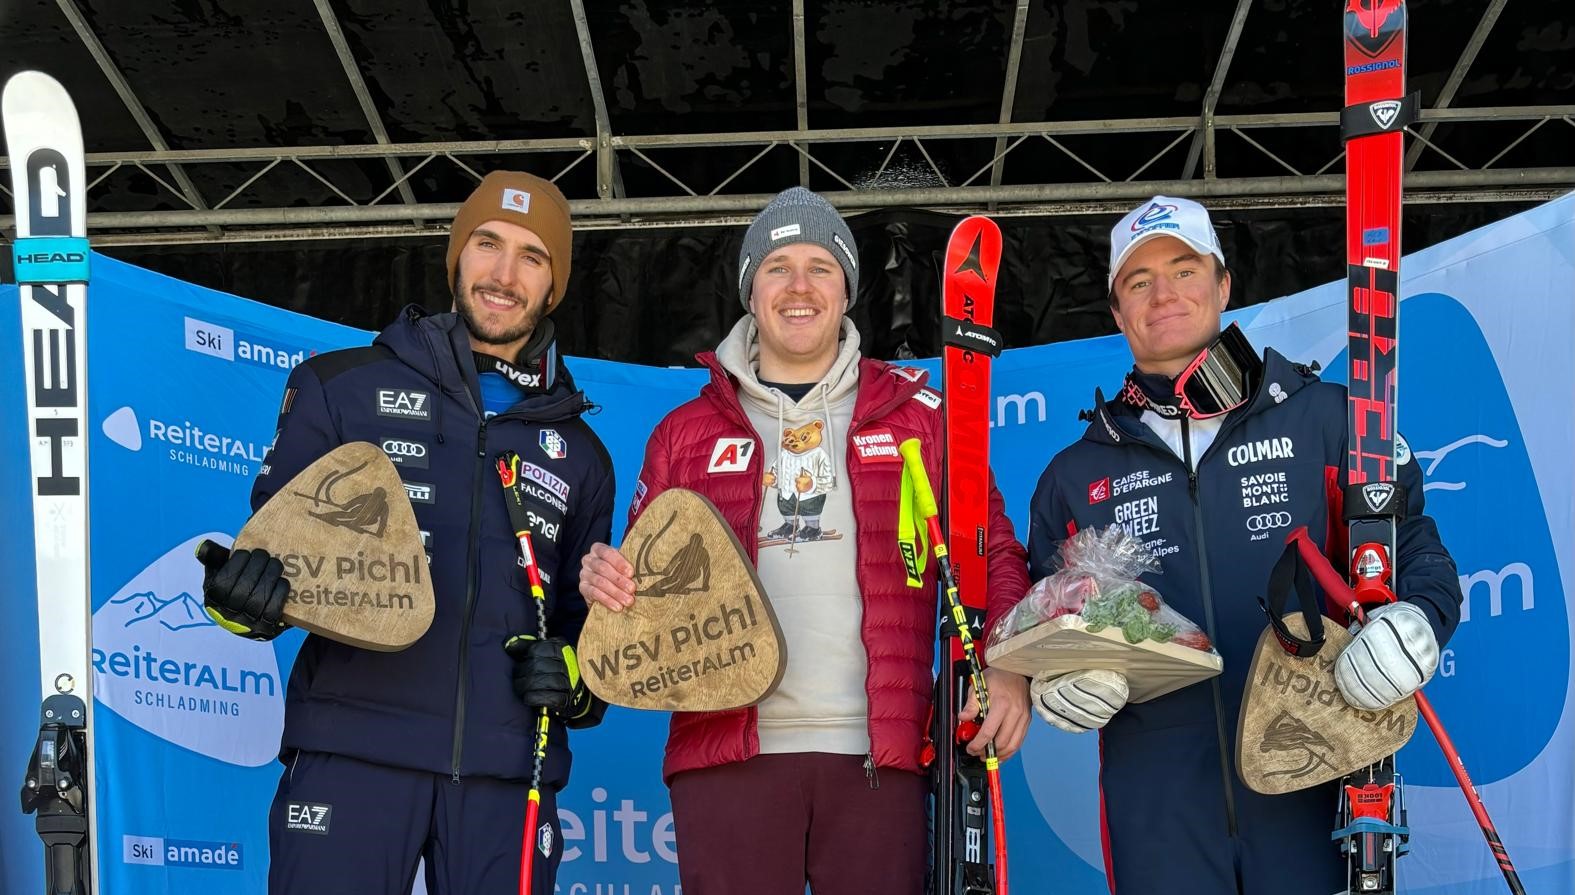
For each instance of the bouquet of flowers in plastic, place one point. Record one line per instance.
(1096, 612)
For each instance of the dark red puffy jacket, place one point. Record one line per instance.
(899, 621)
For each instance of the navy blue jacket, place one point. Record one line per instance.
(446, 703)
(1171, 791)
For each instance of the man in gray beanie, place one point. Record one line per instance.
(795, 441)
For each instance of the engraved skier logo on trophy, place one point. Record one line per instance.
(365, 513)
(1287, 733)
(678, 576)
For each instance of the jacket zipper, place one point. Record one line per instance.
(471, 569)
(1208, 620)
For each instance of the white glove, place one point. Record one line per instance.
(1392, 657)
(1080, 701)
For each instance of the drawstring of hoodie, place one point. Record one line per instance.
(778, 465)
(831, 430)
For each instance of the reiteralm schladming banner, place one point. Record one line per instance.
(185, 383)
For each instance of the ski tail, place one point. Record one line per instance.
(44, 145)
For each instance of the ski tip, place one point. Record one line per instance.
(34, 93)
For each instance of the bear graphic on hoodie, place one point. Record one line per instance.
(803, 474)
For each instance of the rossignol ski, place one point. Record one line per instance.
(1371, 824)
(963, 783)
(48, 188)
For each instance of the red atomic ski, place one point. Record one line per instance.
(973, 257)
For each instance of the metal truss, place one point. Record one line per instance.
(688, 203)
(1092, 187)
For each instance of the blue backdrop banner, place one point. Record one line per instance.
(184, 383)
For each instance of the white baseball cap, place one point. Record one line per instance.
(1184, 219)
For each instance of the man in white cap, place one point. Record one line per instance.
(1210, 455)
(793, 440)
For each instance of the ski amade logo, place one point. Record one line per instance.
(185, 441)
(162, 664)
(1482, 490)
(229, 344)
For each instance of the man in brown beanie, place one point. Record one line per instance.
(794, 440)
(428, 752)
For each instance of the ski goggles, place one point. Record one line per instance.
(1221, 378)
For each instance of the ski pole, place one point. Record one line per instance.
(924, 504)
(508, 473)
(1334, 584)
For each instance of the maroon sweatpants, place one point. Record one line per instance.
(768, 825)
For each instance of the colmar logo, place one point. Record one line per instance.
(1262, 449)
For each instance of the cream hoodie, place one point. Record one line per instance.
(821, 705)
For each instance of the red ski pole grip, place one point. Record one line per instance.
(1323, 571)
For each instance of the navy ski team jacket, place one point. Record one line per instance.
(1172, 797)
(446, 703)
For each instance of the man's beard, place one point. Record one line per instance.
(468, 311)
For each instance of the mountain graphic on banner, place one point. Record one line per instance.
(175, 613)
(161, 664)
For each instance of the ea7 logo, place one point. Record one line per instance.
(1384, 112)
(1377, 495)
(307, 817)
(403, 404)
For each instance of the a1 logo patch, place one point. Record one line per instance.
(730, 455)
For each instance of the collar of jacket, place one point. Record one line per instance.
(1116, 422)
(882, 386)
(438, 347)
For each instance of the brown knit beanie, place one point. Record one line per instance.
(517, 198)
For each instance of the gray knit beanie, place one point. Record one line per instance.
(797, 215)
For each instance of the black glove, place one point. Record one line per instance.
(547, 675)
(244, 590)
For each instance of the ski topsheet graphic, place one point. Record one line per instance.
(44, 145)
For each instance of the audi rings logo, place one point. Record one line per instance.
(405, 452)
(1268, 521)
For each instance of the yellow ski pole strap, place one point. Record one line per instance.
(912, 536)
(916, 507)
